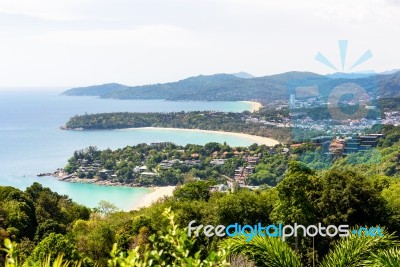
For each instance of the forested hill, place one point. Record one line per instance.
(230, 87)
(216, 121)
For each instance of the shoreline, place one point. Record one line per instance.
(254, 138)
(155, 192)
(62, 176)
(255, 106)
(94, 181)
(158, 193)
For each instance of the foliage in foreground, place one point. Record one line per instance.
(351, 251)
(13, 261)
(173, 248)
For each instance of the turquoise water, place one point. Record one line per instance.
(31, 142)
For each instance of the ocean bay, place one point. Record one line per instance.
(31, 141)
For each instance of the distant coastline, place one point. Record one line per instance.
(254, 138)
(255, 106)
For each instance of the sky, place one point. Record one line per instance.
(69, 43)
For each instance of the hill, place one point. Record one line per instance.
(353, 75)
(230, 87)
(95, 90)
(243, 75)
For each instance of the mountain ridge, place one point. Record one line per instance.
(229, 87)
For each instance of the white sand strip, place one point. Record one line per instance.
(253, 138)
(158, 193)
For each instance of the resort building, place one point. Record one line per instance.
(361, 143)
(241, 173)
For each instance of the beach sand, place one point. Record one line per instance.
(253, 138)
(158, 193)
(255, 106)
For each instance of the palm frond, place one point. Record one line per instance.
(58, 262)
(356, 250)
(386, 258)
(264, 251)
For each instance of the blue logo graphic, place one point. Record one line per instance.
(339, 114)
(281, 231)
(343, 53)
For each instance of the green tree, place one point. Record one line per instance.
(53, 245)
(17, 213)
(94, 239)
(193, 191)
(294, 205)
(106, 208)
(244, 207)
(346, 196)
(171, 247)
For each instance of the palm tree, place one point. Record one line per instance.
(351, 251)
(265, 251)
(388, 258)
(359, 250)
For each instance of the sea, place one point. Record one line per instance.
(31, 141)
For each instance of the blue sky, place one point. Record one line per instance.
(77, 43)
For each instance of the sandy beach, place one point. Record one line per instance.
(253, 138)
(159, 192)
(255, 105)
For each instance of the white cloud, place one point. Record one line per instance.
(148, 35)
(71, 42)
(44, 9)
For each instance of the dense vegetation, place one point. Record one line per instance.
(216, 121)
(191, 162)
(350, 191)
(185, 163)
(226, 87)
(303, 196)
(39, 218)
